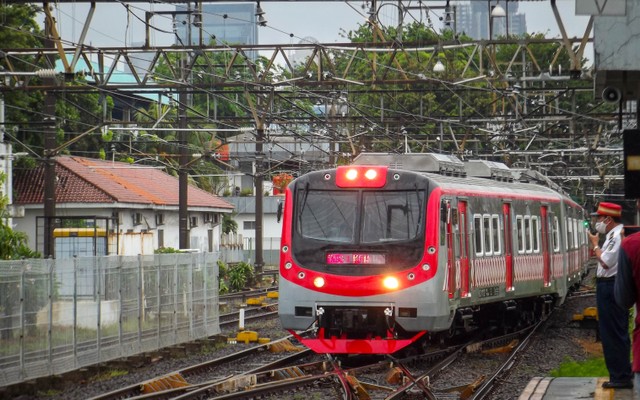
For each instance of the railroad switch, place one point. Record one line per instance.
(589, 313)
(358, 388)
(502, 349)
(588, 320)
(283, 345)
(246, 337)
(466, 391)
(166, 382)
(256, 301)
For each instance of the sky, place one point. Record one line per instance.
(323, 21)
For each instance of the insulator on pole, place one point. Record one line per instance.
(46, 73)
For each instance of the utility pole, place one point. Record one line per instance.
(183, 176)
(258, 182)
(49, 120)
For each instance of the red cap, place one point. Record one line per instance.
(609, 210)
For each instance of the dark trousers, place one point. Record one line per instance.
(613, 322)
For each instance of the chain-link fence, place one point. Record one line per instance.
(60, 315)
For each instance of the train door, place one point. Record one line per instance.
(451, 258)
(508, 246)
(451, 227)
(465, 271)
(546, 255)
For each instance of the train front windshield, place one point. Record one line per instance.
(389, 222)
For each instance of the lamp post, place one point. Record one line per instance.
(495, 11)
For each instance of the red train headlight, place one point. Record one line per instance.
(361, 176)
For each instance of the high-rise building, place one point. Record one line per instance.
(472, 18)
(222, 24)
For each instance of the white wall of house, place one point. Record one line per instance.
(140, 231)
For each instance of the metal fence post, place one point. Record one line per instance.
(98, 283)
(74, 333)
(51, 264)
(22, 322)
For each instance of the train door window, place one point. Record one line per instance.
(477, 227)
(556, 235)
(456, 223)
(495, 234)
(575, 233)
(520, 227)
(535, 234)
(569, 234)
(486, 224)
(527, 234)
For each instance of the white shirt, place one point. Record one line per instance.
(609, 256)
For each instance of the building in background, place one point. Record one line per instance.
(472, 19)
(221, 23)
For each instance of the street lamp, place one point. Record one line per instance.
(495, 11)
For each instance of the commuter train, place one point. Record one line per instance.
(401, 249)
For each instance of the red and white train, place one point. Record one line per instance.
(402, 248)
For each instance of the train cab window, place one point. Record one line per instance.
(327, 215)
(495, 234)
(392, 216)
(556, 235)
(521, 236)
(477, 228)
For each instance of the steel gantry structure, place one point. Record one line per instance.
(500, 99)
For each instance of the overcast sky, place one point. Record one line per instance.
(321, 20)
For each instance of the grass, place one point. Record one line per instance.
(592, 367)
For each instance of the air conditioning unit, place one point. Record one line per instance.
(159, 219)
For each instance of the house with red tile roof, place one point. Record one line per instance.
(134, 207)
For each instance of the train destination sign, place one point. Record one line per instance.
(355, 258)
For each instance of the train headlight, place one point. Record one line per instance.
(361, 176)
(391, 282)
(318, 282)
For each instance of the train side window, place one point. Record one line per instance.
(556, 235)
(535, 234)
(520, 227)
(486, 231)
(569, 234)
(477, 227)
(495, 230)
(575, 233)
(527, 234)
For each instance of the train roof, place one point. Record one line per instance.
(451, 173)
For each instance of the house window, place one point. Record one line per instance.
(160, 238)
(194, 221)
(210, 239)
(159, 219)
(249, 225)
(137, 218)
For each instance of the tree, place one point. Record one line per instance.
(75, 112)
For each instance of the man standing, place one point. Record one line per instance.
(613, 320)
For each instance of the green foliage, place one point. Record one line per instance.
(165, 250)
(240, 275)
(246, 192)
(590, 367)
(229, 225)
(13, 245)
(236, 277)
